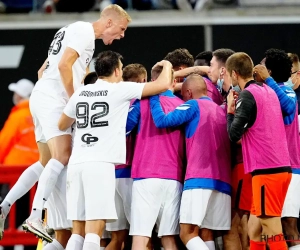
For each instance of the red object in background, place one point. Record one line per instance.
(13, 236)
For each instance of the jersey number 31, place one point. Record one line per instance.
(83, 111)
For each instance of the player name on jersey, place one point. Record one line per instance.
(92, 94)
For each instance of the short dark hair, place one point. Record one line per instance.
(90, 78)
(133, 71)
(241, 63)
(279, 63)
(180, 57)
(222, 55)
(206, 56)
(106, 62)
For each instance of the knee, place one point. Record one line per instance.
(62, 236)
(78, 228)
(119, 236)
(254, 232)
(62, 158)
(169, 242)
(206, 234)
(188, 232)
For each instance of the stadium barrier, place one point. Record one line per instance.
(13, 236)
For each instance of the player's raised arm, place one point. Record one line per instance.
(65, 122)
(65, 68)
(162, 83)
(200, 70)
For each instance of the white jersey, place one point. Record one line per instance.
(101, 110)
(79, 36)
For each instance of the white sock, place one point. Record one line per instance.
(210, 245)
(25, 182)
(46, 185)
(219, 242)
(297, 247)
(91, 242)
(196, 243)
(75, 242)
(54, 245)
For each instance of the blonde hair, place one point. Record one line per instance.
(134, 71)
(114, 8)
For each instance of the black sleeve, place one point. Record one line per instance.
(244, 117)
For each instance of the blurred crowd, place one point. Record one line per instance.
(50, 6)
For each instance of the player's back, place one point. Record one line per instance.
(101, 112)
(208, 147)
(159, 153)
(78, 36)
(268, 129)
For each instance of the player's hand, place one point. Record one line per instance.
(261, 72)
(162, 63)
(231, 99)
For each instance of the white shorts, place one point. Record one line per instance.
(291, 206)
(46, 111)
(57, 205)
(123, 205)
(155, 201)
(206, 208)
(91, 191)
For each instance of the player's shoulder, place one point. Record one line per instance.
(126, 85)
(288, 90)
(192, 102)
(123, 83)
(80, 23)
(80, 26)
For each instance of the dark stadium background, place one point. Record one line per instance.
(145, 45)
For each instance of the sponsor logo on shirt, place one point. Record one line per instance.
(89, 140)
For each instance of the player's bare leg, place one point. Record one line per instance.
(169, 242)
(93, 233)
(118, 239)
(60, 149)
(149, 245)
(104, 243)
(139, 242)
(272, 226)
(243, 231)
(290, 229)
(25, 182)
(254, 228)
(189, 234)
(60, 241)
(231, 240)
(77, 238)
(207, 236)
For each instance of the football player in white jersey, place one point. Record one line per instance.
(100, 111)
(68, 57)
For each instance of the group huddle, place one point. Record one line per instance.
(184, 159)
